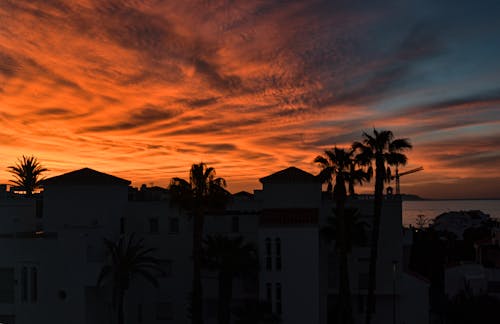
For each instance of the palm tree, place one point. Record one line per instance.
(203, 191)
(360, 170)
(128, 258)
(27, 173)
(385, 151)
(340, 164)
(230, 257)
(356, 229)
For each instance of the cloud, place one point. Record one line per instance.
(488, 99)
(143, 116)
(251, 86)
(8, 65)
(54, 112)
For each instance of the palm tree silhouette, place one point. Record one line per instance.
(385, 151)
(230, 257)
(128, 258)
(338, 167)
(356, 229)
(360, 170)
(203, 191)
(27, 173)
(355, 235)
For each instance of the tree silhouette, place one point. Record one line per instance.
(360, 170)
(127, 259)
(27, 173)
(385, 151)
(203, 192)
(338, 167)
(230, 257)
(356, 229)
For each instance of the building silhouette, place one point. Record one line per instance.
(53, 250)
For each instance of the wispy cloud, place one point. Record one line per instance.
(145, 88)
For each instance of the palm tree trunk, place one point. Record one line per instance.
(121, 312)
(377, 214)
(351, 188)
(197, 298)
(344, 308)
(225, 296)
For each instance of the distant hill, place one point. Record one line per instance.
(411, 197)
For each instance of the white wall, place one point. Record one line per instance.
(299, 276)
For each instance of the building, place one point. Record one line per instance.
(53, 256)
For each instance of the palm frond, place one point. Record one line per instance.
(400, 144)
(27, 173)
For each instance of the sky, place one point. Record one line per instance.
(142, 89)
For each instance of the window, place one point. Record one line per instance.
(235, 224)
(153, 226)
(278, 299)
(278, 253)
(173, 226)
(164, 311)
(269, 265)
(24, 284)
(7, 285)
(269, 293)
(122, 225)
(34, 284)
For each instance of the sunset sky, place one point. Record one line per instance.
(143, 89)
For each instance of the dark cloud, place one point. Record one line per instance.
(390, 72)
(212, 74)
(478, 152)
(56, 78)
(54, 112)
(480, 160)
(489, 99)
(347, 137)
(216, 147)
(216, 127)
(8, 65)
(196, 103)
(132, 28)
(143, 116)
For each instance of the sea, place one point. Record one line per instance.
(432, 208)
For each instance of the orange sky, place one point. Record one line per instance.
(143, 89)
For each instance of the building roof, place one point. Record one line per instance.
(85, 176)
(244, 194)
(291, 174)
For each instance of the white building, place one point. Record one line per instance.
(52, 258)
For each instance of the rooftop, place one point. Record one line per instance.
(291, 174)
(85, 176)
